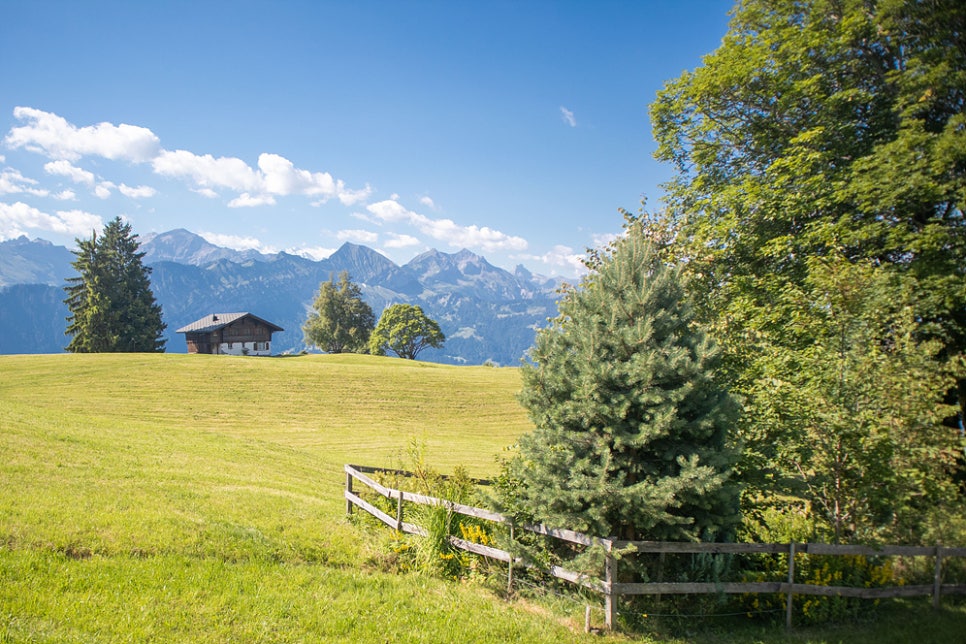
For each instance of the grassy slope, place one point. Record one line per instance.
(198, 498)
(176, 497)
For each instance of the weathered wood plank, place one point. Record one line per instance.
(870, 551)
(861, 593)
(577, 578)
(371, 509)
(479, 513)
(467, 510)
(362, 478)
(697, 588)
(480, 549)
(566, 535)
(684, 547)
(412, 528)
(368, 469)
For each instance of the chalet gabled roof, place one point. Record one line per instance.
(216, 321)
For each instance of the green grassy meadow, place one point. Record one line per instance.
(176, 498)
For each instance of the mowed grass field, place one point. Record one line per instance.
(175, 498)
(199, 498)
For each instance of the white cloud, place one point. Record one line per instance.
(64, 168)
(207, 171)
(568, 116)
(561, 258)
(12, 182)
(103, 189)
(56, 138)
(360, 236)
(140, 192)
(428, 202)
(390, 210)
(17, 218)
(206, 192)
(351, 197)
(314, 253)
(448, 231)
(66, 195)
(401, 241)
(274, 176)
(604, 239)
(281, 177)
(237, 242)
(245, 200)
(79, 222)
(486, 238)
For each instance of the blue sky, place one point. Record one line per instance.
(513, 129)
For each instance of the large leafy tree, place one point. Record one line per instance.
(631, 430)
(828, 138)
(340, 320)
(845, 414)
(112, 307)
(405, 330)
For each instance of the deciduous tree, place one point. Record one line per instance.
(405, 330)
(340, 320)
(827, 138)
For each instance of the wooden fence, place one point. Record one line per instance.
(612, 589)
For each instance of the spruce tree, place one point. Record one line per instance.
(112, 307)
(630, 437)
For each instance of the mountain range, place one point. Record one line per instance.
(486, 313)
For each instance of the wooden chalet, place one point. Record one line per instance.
(230, 334)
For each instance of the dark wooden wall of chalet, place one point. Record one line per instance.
(246, 331)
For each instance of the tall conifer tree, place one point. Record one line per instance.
(630, 437)
(112, 307)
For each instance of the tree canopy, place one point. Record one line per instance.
(340, 321)
(405, 330)
(112, 307)
(630, 436)
(818, 210)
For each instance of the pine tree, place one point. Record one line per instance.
(630, 437)
(111, 303)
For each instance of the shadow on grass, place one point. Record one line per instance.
(895, 621)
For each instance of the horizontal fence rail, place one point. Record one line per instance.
(611, 589)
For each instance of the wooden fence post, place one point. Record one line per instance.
(610, 576)
(399, 514)
(509, 571)
(348, 488)
(791, 581)
(937, 577)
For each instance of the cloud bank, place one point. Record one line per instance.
(446, 230)
(230, 179)
(18, 219)
(65, 144)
